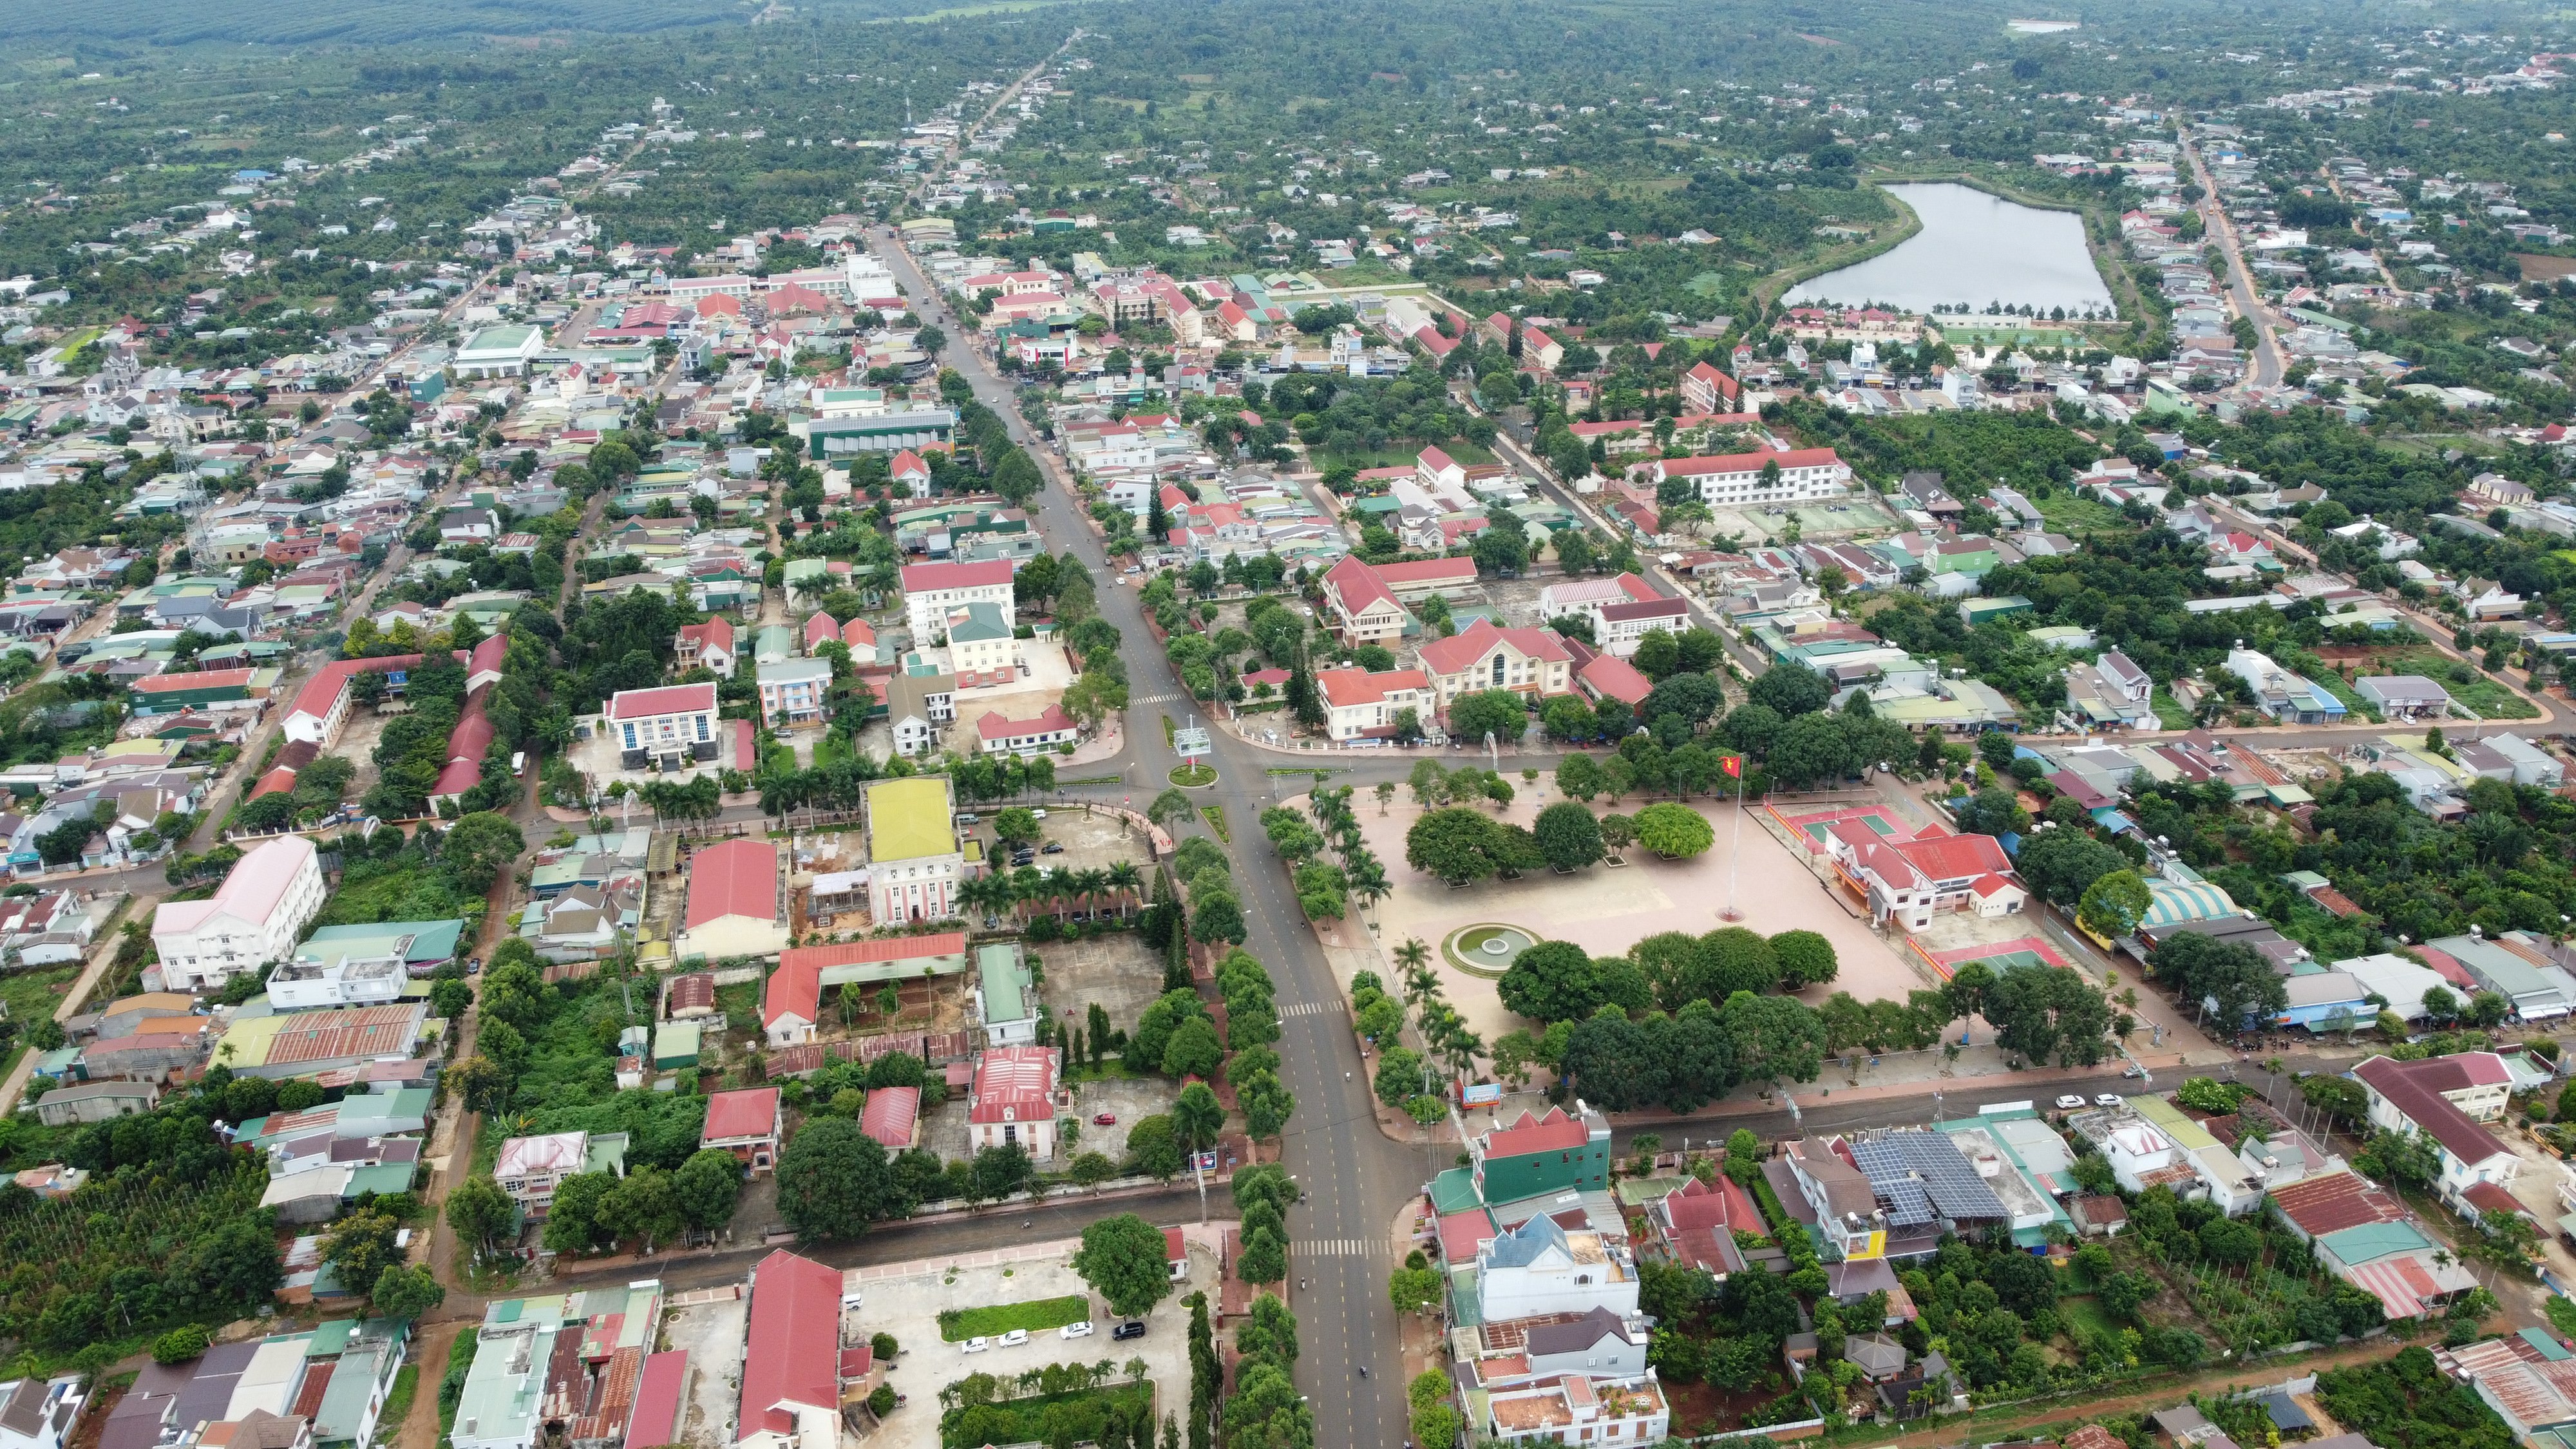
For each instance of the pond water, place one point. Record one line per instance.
(1974, 250)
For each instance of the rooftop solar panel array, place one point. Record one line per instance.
(1921, 1177)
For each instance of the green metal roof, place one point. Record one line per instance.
(2373, 1241)
(1455, 1191)
(997, 968)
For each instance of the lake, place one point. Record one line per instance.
(1974, 249)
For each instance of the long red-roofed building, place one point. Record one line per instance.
(791, 1367)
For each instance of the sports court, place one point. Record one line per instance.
(1999, 956)
(1812, 824)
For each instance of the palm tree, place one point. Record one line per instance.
(1125, 879)
(1413, 960)
(1091, 885)
(989, 894)
(1368, 882)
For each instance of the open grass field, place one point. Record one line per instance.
(960, 1324)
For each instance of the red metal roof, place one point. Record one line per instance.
(2415, 1089)
(1458, 651)
(890, 1116)
(1746, 462)
(655, 1419)
(197, 679)
(737, 878)
(1558, 1131)
(1014, 1084)
(669, 699)
(918, 577)
(2333, 1202)
(884, 948)
(792, 1347)
(749, 1112)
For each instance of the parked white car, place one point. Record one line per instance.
(2070, 1103)
(2107, 1099)
(975, 1345)
(1014, 1338)
(1075, 1330)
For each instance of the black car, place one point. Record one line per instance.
(1132, 1328)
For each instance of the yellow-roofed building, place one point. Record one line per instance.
(914, 863)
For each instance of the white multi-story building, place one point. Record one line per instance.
(932, 590)
(1360, 704)
(1542, 1267)
(1533, 662)
(1622, 611)
(673, 722)
(254, 918)
(1734, 480)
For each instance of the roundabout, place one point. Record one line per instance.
(1193, 777)
(1487, 949)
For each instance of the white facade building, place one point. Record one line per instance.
(254, 918)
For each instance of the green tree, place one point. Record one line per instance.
(1560, 981)
(707, 1186)
(1806, 959)
(1156, 1146)
(479, 847)
(1193, 1050)
(1399, 1075)
(1496, 712)
(833, 1180)
(360, 1247)
(187, 1341)
(1415, 1287)
(1674, 831)
(1568, 835)
(407, 1292)
(2040, 1012)
(1772, 1039)
(479, 1211)
(1458, 845)
(1264, 1258)
(1123, 1260)
(2113, 905)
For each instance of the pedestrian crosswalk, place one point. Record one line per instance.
(1348, 1247)
(1158, 698)
(1305, 1008)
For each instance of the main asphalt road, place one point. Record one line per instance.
(1356, 1181)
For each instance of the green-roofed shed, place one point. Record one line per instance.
(675, 1044)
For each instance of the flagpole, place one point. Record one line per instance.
(1735, 849)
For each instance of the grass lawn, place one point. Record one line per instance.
(2169, 715)
(957, 1325)
(1215, 817)
(1398, 453)
(2085, 1313)
(2489, 699)
(32, 996)
(2068, 513)
(398, 1402)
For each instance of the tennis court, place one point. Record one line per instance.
(1812, 824)
(1999, 956)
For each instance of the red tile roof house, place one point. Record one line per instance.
(1707, 390)
(1531, 662)
(1908, 882)
(709, 644)
(2412, 1097)
(1697, 1223)
(1359, 704)
(747, 1124)
(791, 1366)
(1051, 730)
(1012, 1102)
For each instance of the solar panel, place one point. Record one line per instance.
(1891, 1179)
(1922, 1176)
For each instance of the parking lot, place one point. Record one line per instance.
(906, 1300)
